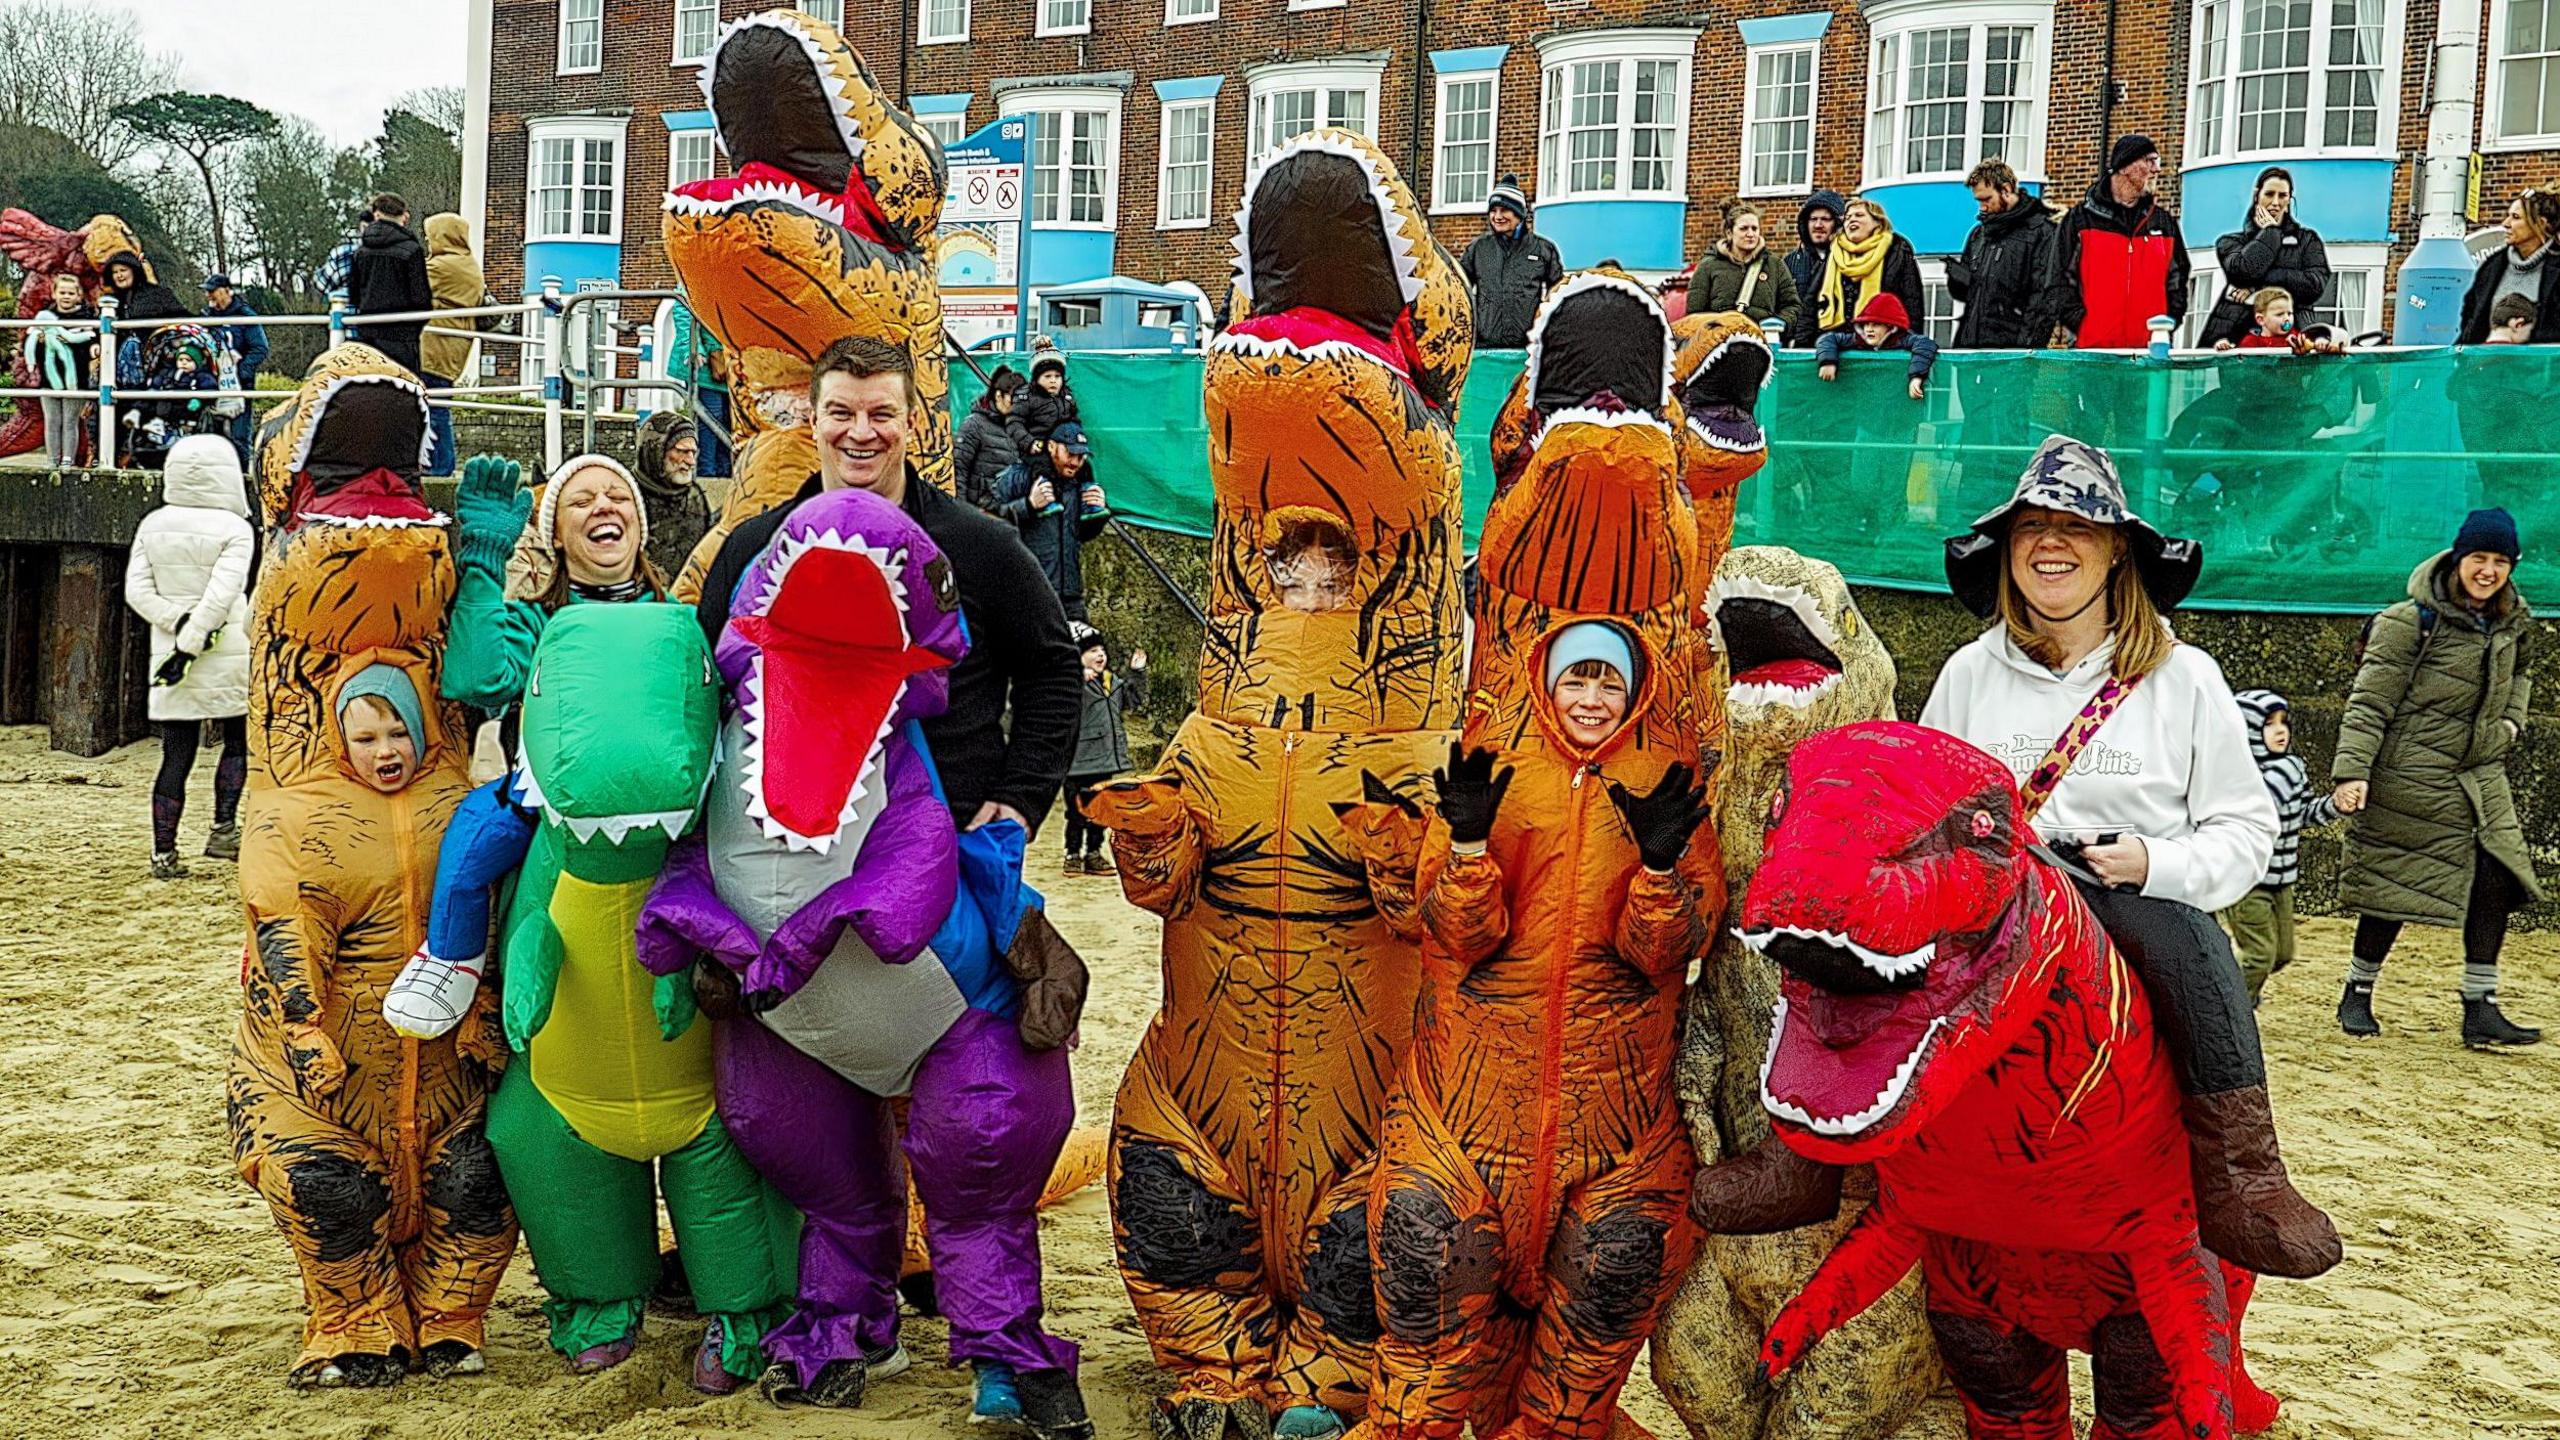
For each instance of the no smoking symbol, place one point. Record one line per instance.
(977, 190)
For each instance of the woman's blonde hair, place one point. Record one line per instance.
(1871, 206)
(2142, 637)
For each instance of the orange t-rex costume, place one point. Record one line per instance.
(1245, 1131)
(366, 1144)
(1532, 1200)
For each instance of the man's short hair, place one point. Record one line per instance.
(2265, 300)
(390, 206)
(2512, 308)
(1994, 173)
(860, 357)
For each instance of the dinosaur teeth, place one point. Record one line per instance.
(1851, 1124)
(1590, 280)
(1891, 967)
(1753, 699)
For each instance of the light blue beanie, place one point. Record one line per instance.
(1593, 640)
(391, 685)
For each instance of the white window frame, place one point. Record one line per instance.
(947, 127)
(566, 20)
(1557, 58)
(2494, 101)
(1891, 23)
(1933, 283)
(710, 155)
(1751, 58)
(1173, 13)
(1049, 101)
(579, 132)
(2220, 142)
(1206, 105)
(1043, 26)
(710, 37)
(924, 24)
(1441, 203)
(1296, 5)
(1321, 78)
(829, 11)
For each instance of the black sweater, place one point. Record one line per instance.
(1020, 654)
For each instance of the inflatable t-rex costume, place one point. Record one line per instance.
(1952, 1014)
(1245, 1132)
(1720, 364)
(368, 1147)
(42, 251)
(826, 230)
(869, 940)
(1533, 1190)
(1802, 660)
(608, 1103)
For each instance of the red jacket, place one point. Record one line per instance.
(2115, 267)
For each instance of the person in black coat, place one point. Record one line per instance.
(1866, 258)
(1816, 225)
(986, 446)
(2273, 250)
(1054, 500)
(2000, 277)
(1508, 269)
(1043, 405)
(389, 277)
(2522, 267)
(137, 295)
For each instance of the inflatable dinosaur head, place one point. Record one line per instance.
(841, 633)
(348, 449)
(1800, 657)
(1722, 362)
(44, 250)
(1334, 567)
(1890, 895)
(826, 230)
(620, 713)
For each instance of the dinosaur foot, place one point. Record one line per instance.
(1204, 1409)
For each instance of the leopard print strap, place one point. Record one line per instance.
(2047, 776)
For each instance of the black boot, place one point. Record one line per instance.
(2483, 1028)
(1763, 1190)
(2355, 1010)
(1053, 1405)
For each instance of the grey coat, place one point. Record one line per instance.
(1102, 745)
(2428, 727)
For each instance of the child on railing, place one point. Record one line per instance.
(2510, 321)
(1882, 324)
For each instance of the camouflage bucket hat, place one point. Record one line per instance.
(2077, 478)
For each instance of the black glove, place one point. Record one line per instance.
(1470, 792)
(173, 669)
(1664, 820)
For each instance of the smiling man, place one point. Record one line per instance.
(1021, 657)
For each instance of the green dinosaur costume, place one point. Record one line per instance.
(611, 1072)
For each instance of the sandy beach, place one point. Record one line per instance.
(143, 1291)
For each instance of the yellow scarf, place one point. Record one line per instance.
(1863, 263)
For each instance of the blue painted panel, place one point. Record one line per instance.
(570, 261)
(2347, 201)
(1638, 234)
(1197, 88)
(1934, 215)
(1458, 62)
(938, 104)
(1063, 257)
(686, 119)
(1780, 29)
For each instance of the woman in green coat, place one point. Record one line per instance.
(2438, 702)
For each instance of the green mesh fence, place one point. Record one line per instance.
(2316, 484)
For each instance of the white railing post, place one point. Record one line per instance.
(337, 323)
(555, 342)
(106, 456)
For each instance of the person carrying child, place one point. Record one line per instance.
(61, 349)
(1882, 324)
(2261, 922)
(1048, 404)
(1053, 498)
(188, 578)
(1102, 744)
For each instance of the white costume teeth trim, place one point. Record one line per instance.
(790, 197)
(1747, 587)
(329, 392)
(892, 564)
(1229, 342)
(1859, 1121)
(1584, 283)
(794, 24)
(1330, 142)
(1605, 419)
(1891, 967)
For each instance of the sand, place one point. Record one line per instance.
(144, 1293)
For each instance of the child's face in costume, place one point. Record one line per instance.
(380, 748)
(1591, 702)
(2279, 734)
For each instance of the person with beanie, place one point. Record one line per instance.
(1882, 325)
(1508, 269)
(2440, 701)
(1816, 226)
(985, 446)
(188, 579)
(2119, 258)
(673, 511)
(2261, 922)
(1866, 260)
(1047, 403)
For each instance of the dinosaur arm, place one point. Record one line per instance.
(1871, 1259)
(1463, 910)
(533, 950)
(295, 928)
(1157, 839)
(2191, 1325)
(1663, 925)
(1389, 835)
(685, 917)
(899, 891)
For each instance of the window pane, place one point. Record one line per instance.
(595, 189)
(688, 157)
(1591, 137)
(831, 11)
(1934, 118)
(1045, 178)
(1650, 147)
(946, 19)
(1348, 109)
(1781, 136)
(1885, 77)
(1186, 155)
(582, 34)
(2275, 74)
(2353, 113)
(1193, 9)
(696, 21)
(1466, 142)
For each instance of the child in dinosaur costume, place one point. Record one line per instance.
(1245, 1131)
(825, 230)
(1948, 992)
(1531, 1201)
(367, 1148)
(608, 1104)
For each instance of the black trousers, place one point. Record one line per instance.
(2494, 897)
(1083, 836)
(2194, 982)
(178, 739)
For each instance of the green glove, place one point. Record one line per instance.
(672, 997)
(490, 504)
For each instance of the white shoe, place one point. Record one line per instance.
(431, 996)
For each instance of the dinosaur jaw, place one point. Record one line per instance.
(1780, 649)
(1720, 391)
(1580, 347)
(641, 826)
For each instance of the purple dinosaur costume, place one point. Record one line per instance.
(868, 940)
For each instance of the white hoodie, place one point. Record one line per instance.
(188, 575)
(2172, 765)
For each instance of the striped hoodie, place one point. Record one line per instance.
(2288, 783)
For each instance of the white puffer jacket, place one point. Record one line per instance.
(189, 576)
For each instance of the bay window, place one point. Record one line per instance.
(573, 179)
(1949, 86)
(2284, 76)
(1614, 116)
(1289, 100)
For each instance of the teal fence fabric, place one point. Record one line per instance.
(2315, 483)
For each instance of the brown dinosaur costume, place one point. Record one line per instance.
(366, 1145)
(1247, 1127)
(826, 230)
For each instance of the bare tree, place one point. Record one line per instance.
(438, 105)
(68, 65)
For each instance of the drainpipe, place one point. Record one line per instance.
(906, 45)
(2438, 270)
(1421, 90)
(2107, 96)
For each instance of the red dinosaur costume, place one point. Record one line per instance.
(42, 251)
(1952, 1014)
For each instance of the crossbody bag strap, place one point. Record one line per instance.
(2047, 776)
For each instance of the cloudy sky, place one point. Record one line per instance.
(333, 62)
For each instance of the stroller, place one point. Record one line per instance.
(173, 357)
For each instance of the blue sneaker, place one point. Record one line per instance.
(1307, 1422)
(998, 1402)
